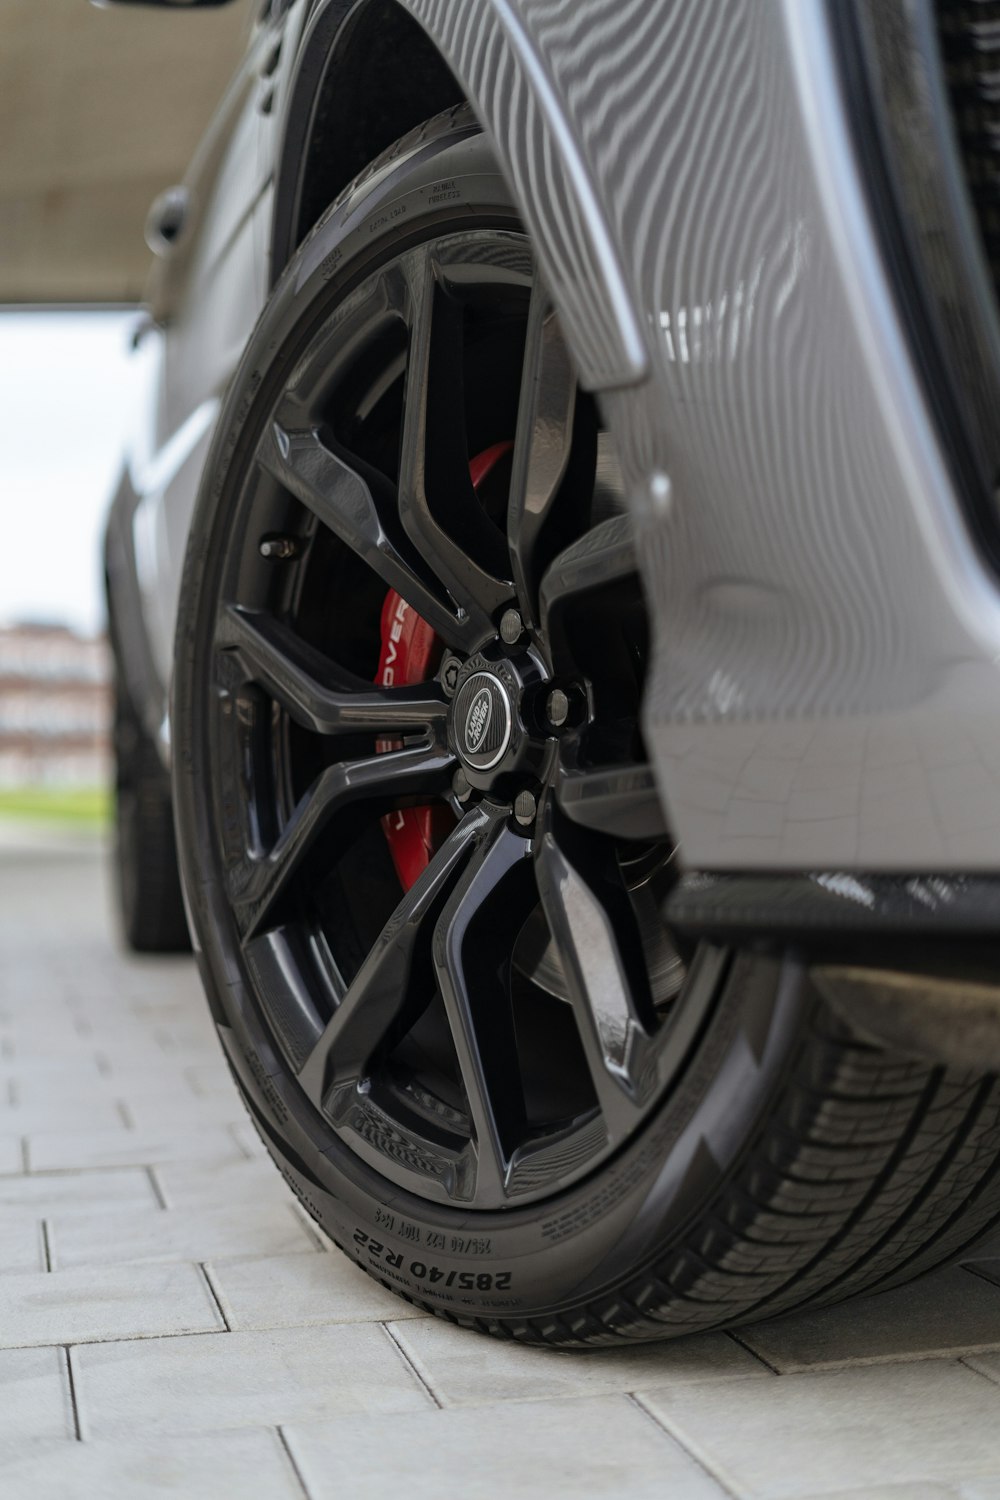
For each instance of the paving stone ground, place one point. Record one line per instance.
(171, 1324)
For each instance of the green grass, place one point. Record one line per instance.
(82, 806)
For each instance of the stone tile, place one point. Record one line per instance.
(247, 1139)
(189, 1041)
(52, 1065)
(951, 1312)
(33, 1089)
(57, 1033)
(209, 1080)
(817, 1434)
(61, 1114)
(160, 1010)
(972, 1490)
(22, 1246)
(464, 1371)
(603, 1448)
(67, 1025)
(165, 1114)
(120, 1060)
(105, 1302)
(59, 1042)
(967, 1489)
(66, 1193)
(55, 1150)
(77, 1078)
(145, 992)
(233, 1179)
(241, 1380)
(11, 1154)
(297, 1291)
(34, 1399)
(156, 1234)
(251, 1464)
(143, 1023)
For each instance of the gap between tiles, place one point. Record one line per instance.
(693, 1454)
(413, 1364)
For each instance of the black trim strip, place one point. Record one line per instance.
(739, 908)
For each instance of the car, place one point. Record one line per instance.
(554, 596)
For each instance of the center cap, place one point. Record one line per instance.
(483, 720)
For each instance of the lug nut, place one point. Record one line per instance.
(450, 668)
(511, 627)
(461, 785)
(557, 708)
(525, 808)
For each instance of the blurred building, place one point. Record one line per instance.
(55, 707)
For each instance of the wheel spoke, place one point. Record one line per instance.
(434, 433)
(357, 504)
(543, 440)
(596, 936)
(472, 953)
(620, 801)
(379, 999)
(316, 693)
(388, 780)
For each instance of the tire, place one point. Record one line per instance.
(147, 880)
(765, 1159)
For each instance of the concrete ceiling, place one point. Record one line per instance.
(99, 111)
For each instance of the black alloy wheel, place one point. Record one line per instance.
(492, 1032)
(422, 849)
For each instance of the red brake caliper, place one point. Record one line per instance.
(410, 653)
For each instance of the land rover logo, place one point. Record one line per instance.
(482, 720)
(478, 720)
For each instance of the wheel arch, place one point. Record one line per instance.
(367, 73)
(147, 694)
(428, 55)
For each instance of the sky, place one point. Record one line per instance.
(65, 402)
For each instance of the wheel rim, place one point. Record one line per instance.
(489, 1035)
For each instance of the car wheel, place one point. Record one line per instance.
(147, 881)
(424, 857)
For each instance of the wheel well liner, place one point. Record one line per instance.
(368, 73)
